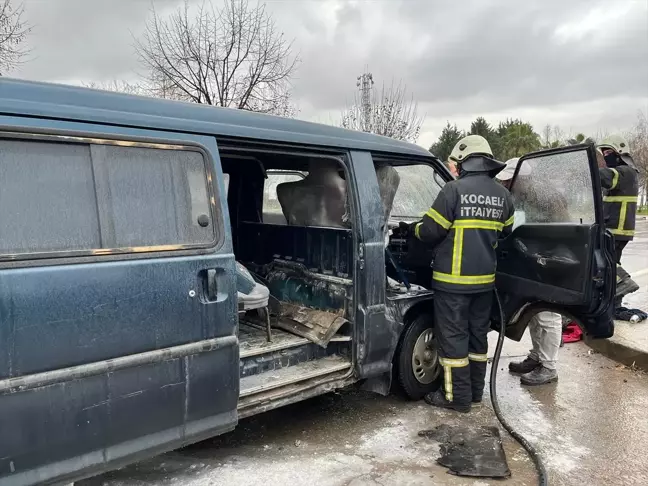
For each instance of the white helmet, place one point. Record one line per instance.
(616, 143)
(473, 154)
(470, 145)
(508, 171)
(620, 145)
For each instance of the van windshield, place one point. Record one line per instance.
(416, 192)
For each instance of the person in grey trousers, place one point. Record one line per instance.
(539, 367)
(545, 328)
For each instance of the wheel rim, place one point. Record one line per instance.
(425, 360)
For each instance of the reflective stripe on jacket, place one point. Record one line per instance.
(464, 223)
(620, 202)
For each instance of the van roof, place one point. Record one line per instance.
(64, 102)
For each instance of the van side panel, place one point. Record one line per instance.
(106, 359)
(96, 423)
(61, 316)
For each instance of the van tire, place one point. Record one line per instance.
(412, 386)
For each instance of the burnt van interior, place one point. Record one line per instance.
(292, 226)
(292, 233)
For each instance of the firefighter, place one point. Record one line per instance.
(463, 225)
(620, 180)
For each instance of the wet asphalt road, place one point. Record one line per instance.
(591, 428)
(635, 260)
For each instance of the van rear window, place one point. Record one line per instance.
(99, 198)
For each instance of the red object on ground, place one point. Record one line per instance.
(572, 333)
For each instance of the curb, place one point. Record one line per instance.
(620, 350)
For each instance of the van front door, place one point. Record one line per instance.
(559, 255)
(117, 298)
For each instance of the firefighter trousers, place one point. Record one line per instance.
(461, 325)
(619, 246)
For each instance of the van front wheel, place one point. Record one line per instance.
(419, 371)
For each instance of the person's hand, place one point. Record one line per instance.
(403, 230)
(600, 160)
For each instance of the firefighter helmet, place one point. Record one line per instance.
(470, 145)
(473, 154)
(620, 145)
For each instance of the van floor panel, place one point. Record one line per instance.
(251, 385)
(253, 341)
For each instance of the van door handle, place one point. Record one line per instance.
(211, 285)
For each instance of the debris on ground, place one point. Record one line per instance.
(474, 452)
(631, 315)
(632, 368)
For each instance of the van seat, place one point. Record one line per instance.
(251, 294)
(328, 251)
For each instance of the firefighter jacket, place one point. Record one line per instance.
(464, 224)
(620, 201)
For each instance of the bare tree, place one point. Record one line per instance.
(638, 140)
(546, 136)
(13, 31)
(118, 86)
(552, 137)
(231, 56)
(389, 112)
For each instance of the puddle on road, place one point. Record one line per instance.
(381, 448)
(394, 442)
(559, 451)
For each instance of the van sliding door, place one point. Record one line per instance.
(117, 298)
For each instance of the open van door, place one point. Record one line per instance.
(559, 256)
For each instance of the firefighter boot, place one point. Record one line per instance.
(539, 376)
(438, 399)
(455, 394)
(477, 379)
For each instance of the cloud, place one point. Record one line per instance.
(84, 39)
(579, 61)
(464, 59)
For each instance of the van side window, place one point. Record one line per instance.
(80, 197)
(272, 212)
(417, 190)
(47, 198)
(152, 196)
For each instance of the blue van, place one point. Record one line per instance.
(168, 268)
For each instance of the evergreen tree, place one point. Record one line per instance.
(481, 127)
(450, 135)
(517, 138)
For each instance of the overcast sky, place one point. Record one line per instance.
(580, 64)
